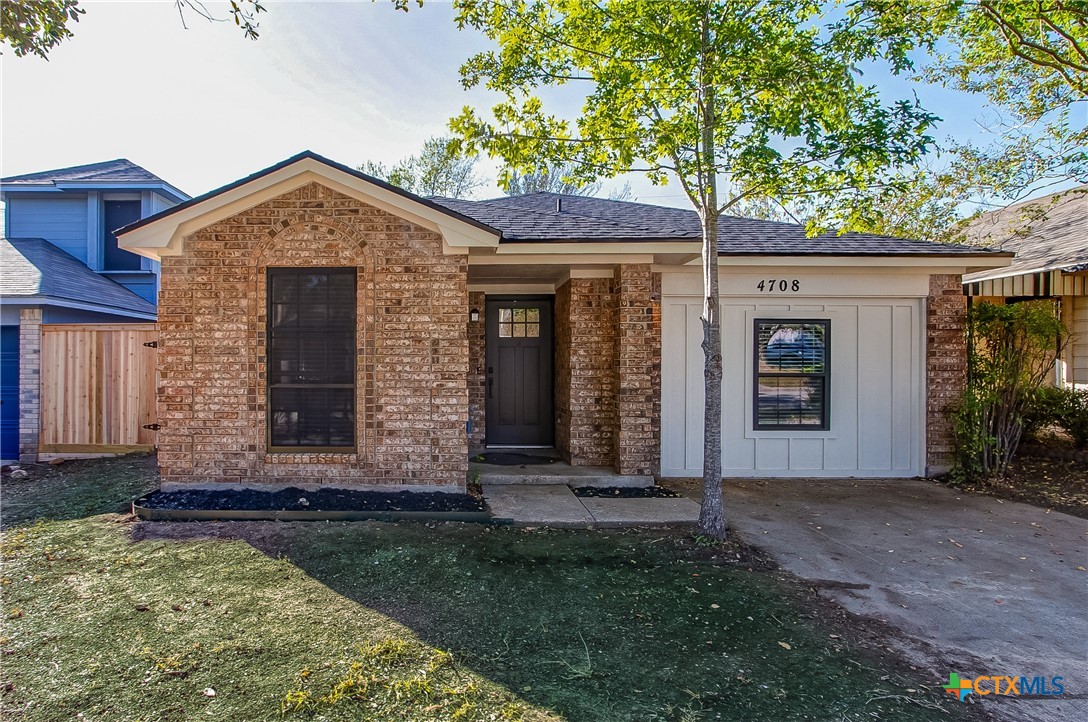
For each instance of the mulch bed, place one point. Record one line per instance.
(294, 499)
(1056, 484)
(626, 492)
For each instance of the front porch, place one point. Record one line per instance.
(541, 467)
(568, 358)
(536, 487)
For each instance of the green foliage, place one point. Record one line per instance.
(1030, 61)
(1011, 352)
(1068, 409)
(767, 96)
(34, 27)
(439, 169)
(1043, 410)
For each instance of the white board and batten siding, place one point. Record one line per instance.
(877, 374)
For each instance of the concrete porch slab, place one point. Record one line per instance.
(641, 512)
(556, 505)
(551, 505)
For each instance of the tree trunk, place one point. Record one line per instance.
(712, 515)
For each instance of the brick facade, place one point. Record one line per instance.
(412, 357)
(30, 371)
(585, 364)
(946, 367)
(477, 366)
(636, 378)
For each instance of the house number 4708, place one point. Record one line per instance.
(779, 285)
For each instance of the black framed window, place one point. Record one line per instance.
(792, 374)
(311, 359)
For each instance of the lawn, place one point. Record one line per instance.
(107, 618)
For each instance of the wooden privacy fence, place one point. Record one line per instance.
(98, 388)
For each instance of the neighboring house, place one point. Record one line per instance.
(1049, 236)
(320, 327)
(60, 264)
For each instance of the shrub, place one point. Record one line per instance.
(1010, 353)
(1073, 416)
(1043, 410)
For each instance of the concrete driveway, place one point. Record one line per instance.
(995, 588)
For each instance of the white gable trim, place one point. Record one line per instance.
(165, 237)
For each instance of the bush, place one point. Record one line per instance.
(1043, 410)
(1073, 416)
(1011, 351)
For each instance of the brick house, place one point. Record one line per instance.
(321, 327)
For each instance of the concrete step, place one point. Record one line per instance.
(550, 475)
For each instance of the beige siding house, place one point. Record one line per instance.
(1049, 236)
(321, 327)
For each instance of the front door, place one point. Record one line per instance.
(519, 372)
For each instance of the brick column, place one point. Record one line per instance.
(477, 378)
(637, 355)
(946, 367)
(585, 393)
(30, 372)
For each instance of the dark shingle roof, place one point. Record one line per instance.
(554, 217)
(33, 267)
(120, 170)
(1047, 233)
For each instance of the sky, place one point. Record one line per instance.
(201, 106)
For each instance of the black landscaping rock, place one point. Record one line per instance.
(626, 492)
(294, 499)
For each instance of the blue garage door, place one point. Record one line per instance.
(9, 392)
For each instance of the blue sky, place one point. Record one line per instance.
(203, 106)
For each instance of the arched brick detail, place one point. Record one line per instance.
(412, 333)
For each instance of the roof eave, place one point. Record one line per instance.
(162, 234)
(59, 301)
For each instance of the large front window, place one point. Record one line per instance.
(792, 374)
(311, 359)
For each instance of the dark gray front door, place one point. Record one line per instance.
(519, 371)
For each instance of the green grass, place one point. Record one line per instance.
(374, 621)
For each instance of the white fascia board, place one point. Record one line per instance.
(165, 236)
(614, 249)
(558, 259)
(949, 263)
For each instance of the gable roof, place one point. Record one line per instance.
(533, 218)
(149, 236)
(111, 173)
(33, 268)
(541, 217)
(1047, 234)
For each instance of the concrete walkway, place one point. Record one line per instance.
(556, 505)
(987, 587)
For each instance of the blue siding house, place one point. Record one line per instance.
(60, 263)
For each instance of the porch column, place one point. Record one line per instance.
(637, 370)
(946, 367)
(30, 370)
